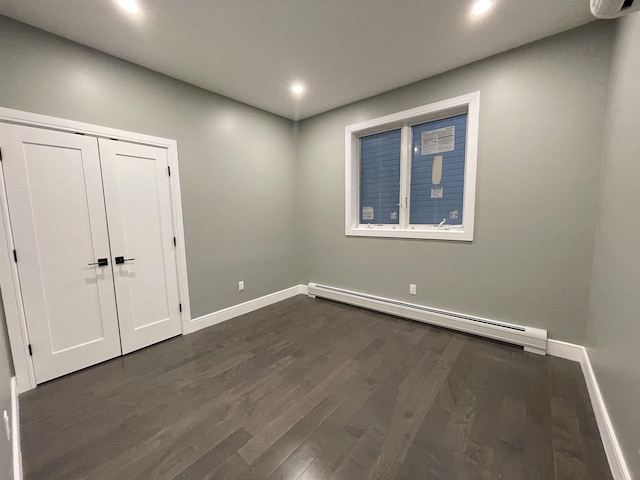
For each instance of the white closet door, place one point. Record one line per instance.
(137, 195)
(55, 196)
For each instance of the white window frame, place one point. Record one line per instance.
(469, 104)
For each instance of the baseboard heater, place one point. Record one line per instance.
(532, 339)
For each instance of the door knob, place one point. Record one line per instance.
(121, 260)
(102, 262)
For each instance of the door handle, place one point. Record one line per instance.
(121, 260)
(102, 262)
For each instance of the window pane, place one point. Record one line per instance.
(380, 178)
(437, 171)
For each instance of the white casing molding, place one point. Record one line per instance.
(11, 296)
(468, 103)
(15, 431)
(578, 353)
(246, 307)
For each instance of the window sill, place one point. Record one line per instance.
(455, 235)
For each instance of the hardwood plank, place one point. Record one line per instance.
(567, 447)
(406, 420)
(480, 454)
(538, 446)
(205, 467)
(361, 456)
(308, 389)
(335, 408)
(296, 463)
(468, 379)
(400, 383)
(266, 436)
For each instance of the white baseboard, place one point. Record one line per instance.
(246, 307)
(570, 351)
(15, 431)
(617, 462)
(578, 353)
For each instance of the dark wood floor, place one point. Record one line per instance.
(309, 390)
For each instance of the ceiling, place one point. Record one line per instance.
(341, 50)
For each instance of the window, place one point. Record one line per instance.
(413, 174)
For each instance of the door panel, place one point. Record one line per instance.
(138, 203)
(55, 197)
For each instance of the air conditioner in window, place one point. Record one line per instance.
(613, 8)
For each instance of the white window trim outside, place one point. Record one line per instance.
(469, 104)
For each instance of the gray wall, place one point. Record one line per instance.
(237, 163)
(541, 122)
(613, 329)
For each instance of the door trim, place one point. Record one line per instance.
(9, 282)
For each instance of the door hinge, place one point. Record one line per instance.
(15, 256)
(180, 307)
(175, 244)
(30, 351)
(169, 170)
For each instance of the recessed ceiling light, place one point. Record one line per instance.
(297, 88)
(130, 6)
(482, 6)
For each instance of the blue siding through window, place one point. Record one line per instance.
(426, 210)
(380, 178)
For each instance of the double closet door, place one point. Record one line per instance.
(93, 232)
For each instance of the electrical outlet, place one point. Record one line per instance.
(412, 289)
(241, 285)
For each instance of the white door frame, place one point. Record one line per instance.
(9, 280)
